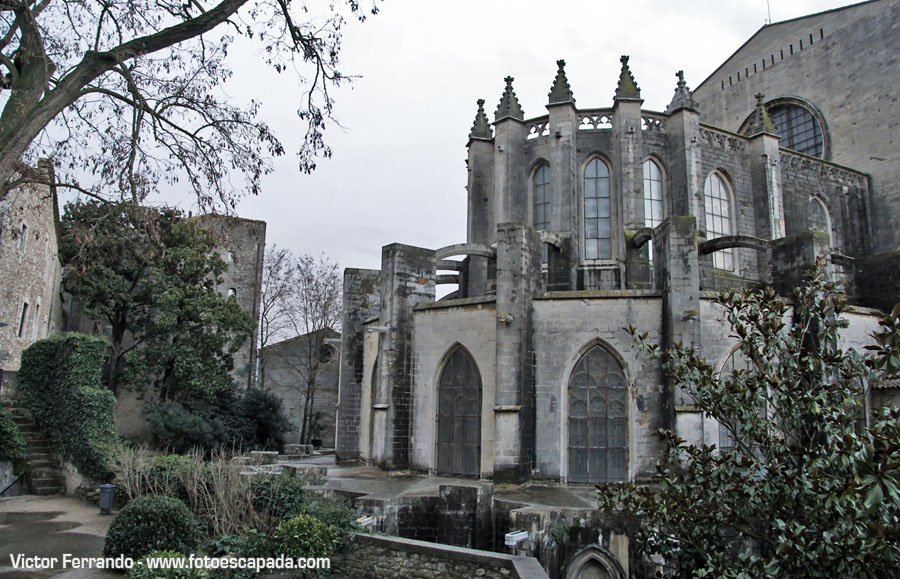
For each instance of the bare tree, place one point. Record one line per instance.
(278, 288)
(129, 91)
(305, 298)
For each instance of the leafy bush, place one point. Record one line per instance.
(264, 410)
(278, 498)
(230, 420)
(59, 381)
(151, 523)
(305, 536)
(179, 429)
(339, 515)
(251, 544)
(142, 570)
(12, 444)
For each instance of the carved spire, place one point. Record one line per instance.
(628, 88)
(561, 92)
(509, 104)
(760, 121)
(481, 128)
(684, 98)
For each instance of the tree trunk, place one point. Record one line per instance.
(31, 108)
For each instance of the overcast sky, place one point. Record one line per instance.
(398, 171)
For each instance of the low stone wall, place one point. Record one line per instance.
(378, 557)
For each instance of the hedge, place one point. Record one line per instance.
(12, 443)
(59, 381)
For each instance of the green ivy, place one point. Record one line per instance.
(12, 444)
(59, 381)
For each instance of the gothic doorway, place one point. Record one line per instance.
(597, 415)
(459, 417)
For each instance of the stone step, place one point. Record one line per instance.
(29, 455)
(46, 490)
(42, 464)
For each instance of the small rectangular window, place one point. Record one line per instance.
(23, 319)
(35, 327)
(23, 237)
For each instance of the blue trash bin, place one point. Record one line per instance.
(107, 498)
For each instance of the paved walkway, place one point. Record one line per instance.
(373, 482)
(51, 527)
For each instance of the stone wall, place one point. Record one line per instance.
(378, 557)
(834, 62)
(286, 367)
(241, 243)
(566, 326)
(441, 326)
(361, 302)
(30, 270)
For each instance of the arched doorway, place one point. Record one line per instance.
(459, 417)
(597, 419)
(594, 563)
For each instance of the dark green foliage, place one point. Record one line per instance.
(806, 491)
(59, 381)
(178, 429)
(250, 544)
(264, 410)
(151, 523)
(12, 444)
(305, 536)
(278, 497)
(153, 274)
(229, 420)
(142, 570)
(339, 515)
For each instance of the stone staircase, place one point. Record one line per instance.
(44, 474)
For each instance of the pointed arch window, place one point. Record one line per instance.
(653, 198)
(459, 417)
(597, 417)
(719, 218)
(597, 211)
(541, 196)
(817, 218)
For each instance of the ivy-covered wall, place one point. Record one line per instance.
(59, 381)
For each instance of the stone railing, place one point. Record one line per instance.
(800, 163)
(651, 121)
(595, 119)
(539, 127)
(722, 139)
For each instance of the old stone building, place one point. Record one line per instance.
(286, 369)
(241, 243)
(828, 85)
(30, 271)
(583, 221)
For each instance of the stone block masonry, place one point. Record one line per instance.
(377, 557)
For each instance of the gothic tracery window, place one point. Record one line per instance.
(719, 218)
(597, 211)
(597, 417)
